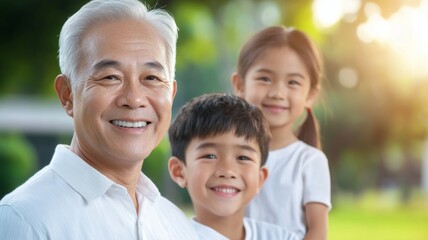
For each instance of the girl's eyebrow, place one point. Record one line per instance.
(295, 74)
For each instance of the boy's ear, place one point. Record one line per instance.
(177, 171)
(65, 93)
(312, 96)
(263, 174)
(237, 84)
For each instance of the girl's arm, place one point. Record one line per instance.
(317, 221)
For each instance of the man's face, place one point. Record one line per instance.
(122, 108)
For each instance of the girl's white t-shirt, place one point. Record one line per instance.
(298, 174)
(254, 230)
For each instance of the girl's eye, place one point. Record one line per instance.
(293, 82)
(264, 79)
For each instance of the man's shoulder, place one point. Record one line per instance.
(34, 195)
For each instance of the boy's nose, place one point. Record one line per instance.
(225, 173)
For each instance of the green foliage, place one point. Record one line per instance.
(17, 161)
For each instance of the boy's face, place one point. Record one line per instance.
(222, 174)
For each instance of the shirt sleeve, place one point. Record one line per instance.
(316, 179)
(13, 225)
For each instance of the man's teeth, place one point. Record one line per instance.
(120, 123)
(225, 190)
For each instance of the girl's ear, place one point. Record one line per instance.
(65, 94)
(237, 84)
(177, 171)
(312, 97)
(263, 174)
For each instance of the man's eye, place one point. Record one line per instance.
(111, 77)
(153, 77)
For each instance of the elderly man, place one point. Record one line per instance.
(117, 83)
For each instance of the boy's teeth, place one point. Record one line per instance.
(226, 190)
(120, 123)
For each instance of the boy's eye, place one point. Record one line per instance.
(244, 158)
(210, 156)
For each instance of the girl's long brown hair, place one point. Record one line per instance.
(280, 36)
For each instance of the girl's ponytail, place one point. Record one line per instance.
(309, 130)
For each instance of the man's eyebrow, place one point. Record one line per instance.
(105, 64)
(155, 65)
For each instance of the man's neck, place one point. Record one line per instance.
(126, 176)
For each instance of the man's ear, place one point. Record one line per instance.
(65, 93)
(263, 174)
(177, 171)
(237, 84)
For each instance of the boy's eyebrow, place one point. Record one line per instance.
(241, 146)
(265, 70)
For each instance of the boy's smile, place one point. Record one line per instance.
(222, 174)
(226, 191)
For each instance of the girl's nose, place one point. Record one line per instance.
(277, 91)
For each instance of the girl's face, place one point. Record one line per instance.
(278, 83)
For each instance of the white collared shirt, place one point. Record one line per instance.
(68, 199)
(254, 230)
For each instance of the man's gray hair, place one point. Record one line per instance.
(96, 11)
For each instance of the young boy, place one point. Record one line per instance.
(219, 145)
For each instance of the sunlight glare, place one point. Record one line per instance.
(329, 12)
(404, 32)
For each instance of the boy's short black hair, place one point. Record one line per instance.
(217, 113)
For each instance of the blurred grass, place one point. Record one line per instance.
(375, 216)
(380, 216)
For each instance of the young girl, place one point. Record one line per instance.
(279, 70)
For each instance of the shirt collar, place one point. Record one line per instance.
(147, 188)
(83, 178)
(87, 181)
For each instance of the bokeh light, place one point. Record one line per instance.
(404, 32)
